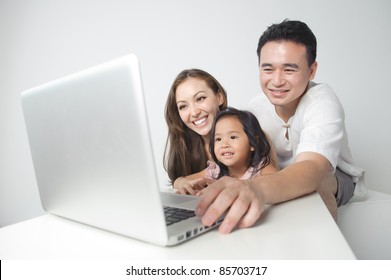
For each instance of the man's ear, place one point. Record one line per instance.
(313, 69)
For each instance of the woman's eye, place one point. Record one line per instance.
(181, 107)
(201, 98)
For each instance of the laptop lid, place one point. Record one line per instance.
(92, 153)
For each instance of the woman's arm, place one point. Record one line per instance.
(190, 184)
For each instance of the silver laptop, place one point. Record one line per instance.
(92, 153)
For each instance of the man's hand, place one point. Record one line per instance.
(241, 202)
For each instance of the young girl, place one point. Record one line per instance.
(194, 99)
(238, 146)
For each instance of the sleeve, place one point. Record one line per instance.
(323, 124)
(212, 171)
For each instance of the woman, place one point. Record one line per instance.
(194, 100)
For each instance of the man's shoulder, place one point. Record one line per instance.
(320, 92)
(257, 102)
(319, 88)
(258, 98)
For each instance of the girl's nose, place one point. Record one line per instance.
(225, 146)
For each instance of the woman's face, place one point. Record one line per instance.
(197, 105)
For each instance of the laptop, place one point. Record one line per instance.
(93, 159)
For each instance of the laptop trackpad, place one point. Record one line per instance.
(178, 200)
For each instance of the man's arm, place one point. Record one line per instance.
(298, 179)
(244, 201)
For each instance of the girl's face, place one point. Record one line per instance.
(198, 105)
(232, 147)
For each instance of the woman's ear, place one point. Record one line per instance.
(220, 97)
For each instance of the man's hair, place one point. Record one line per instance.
(290, 30)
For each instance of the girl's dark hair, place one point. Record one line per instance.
(255, 134)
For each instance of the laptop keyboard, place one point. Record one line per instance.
(174, 215)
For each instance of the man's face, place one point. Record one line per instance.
(284, 74)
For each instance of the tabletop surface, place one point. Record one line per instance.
(297, 229)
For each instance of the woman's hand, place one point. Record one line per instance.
(184, 185)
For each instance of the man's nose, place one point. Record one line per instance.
(278, 78)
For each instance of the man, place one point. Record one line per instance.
(305, 122)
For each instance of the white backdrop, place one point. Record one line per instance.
(43, 40)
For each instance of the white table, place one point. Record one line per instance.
(298, 229)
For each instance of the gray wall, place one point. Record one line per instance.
(43, 40)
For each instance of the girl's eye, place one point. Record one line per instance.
(234, 137)
(217, 139)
